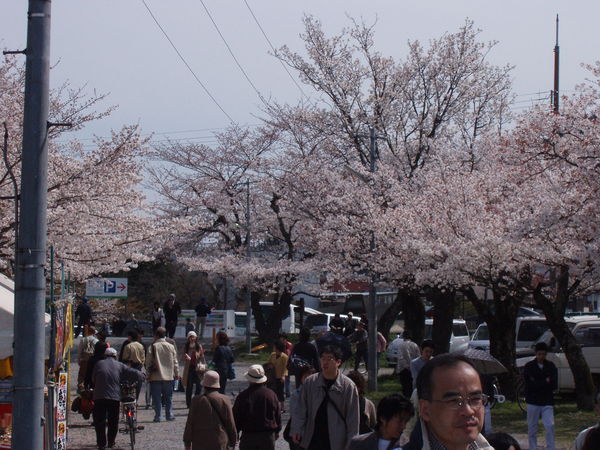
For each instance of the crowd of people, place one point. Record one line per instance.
(441, 404)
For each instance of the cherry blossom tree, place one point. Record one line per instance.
(97, 220)
(436, 104)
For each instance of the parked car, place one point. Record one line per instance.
(459, 340)
(528, 330)
(586, 330)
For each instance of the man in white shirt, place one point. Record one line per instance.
(407, 351)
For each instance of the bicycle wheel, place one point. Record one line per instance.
(493, 399)
(132, 427)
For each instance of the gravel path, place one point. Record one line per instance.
(155, 436)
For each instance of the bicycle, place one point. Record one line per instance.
(129, 405)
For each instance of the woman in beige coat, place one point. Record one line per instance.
(210, 423)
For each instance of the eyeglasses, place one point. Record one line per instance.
(328, 358)
(474, 401)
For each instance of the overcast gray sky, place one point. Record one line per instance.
(115, 46)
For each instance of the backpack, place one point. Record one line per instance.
(295, 363)
(363, 426)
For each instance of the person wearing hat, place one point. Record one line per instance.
(210, 422)
(107, 376)
(257, 412)
(193, 354)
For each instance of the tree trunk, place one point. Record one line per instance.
(387, 319)
(414, 317)
(268, 328)
(555, 316)
(501, 317)
(443, 313)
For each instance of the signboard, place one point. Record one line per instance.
(106, 287)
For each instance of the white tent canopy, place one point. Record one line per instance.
(7, 314)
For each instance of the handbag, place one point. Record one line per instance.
(230, 372)
(287, 433)
(153, 367)
(201, 368)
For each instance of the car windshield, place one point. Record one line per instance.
(315, 320)
(531, 330)
(240, 320)
(428, 331)
(482, 333)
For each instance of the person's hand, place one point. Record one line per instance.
(296, 437)
(187, 357)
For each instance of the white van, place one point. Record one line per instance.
(459, 340)
(586, 330)
(290, 323)
(528, 330)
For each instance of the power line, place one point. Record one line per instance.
(273, 48)
(233, 55)
(185, 62)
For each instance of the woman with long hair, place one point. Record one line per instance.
(223, 359)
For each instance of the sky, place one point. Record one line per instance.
(116, 47)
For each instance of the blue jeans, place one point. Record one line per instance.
(162, 392)
(546, 413)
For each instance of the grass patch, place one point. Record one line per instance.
(508, 417)
(568, 420)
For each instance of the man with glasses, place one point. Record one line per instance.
(451, 404)
(327, 415)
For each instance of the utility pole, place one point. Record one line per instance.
(372, 306)
(248, 254)
(30, 282)
(555, 96)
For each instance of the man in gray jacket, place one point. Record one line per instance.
(107, 377)
(327, 416)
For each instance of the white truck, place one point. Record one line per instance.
(290, 323)
(586, 330)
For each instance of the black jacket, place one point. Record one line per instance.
(257, 409)
(540, 383)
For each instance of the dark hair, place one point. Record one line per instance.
(304, 335)
(592, 439)
(393, 405)
(502, 441)
(283, 335)
(424, 379)
(406, 334)
(100, 347)
(133, 334)
(279, 346)
(332, 350)
(303, 370)
(427, 343)
(359, 381)
(541, 347)
(222, 338)
(160, 332)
